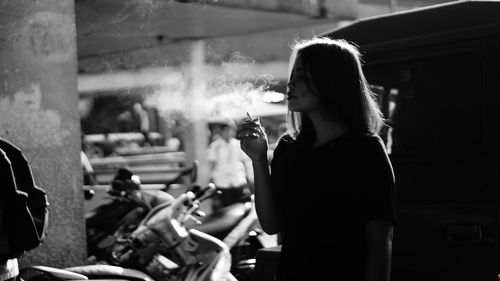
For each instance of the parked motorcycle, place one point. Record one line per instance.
(162, 247)
(166, 247)
(130, 203)
(236, 225)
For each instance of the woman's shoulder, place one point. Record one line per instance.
(368, 139)
(286, 138)
(362, 142)
(369, 144)
(284, 143)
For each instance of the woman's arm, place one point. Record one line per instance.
(253, 141)
(378, 189)
(379, 250)
(265, 202)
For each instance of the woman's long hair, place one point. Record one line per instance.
(336, 73)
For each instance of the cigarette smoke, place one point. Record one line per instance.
(223, 91)
(226, 91)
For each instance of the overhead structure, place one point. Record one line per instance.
(109, 28)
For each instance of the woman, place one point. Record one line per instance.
(330, 188)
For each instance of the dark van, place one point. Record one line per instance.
(436, 71)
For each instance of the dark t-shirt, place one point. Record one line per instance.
(328, 193)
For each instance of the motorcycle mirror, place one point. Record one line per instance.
(88, 194)
(136, 179)
(197, 190)
(206, 192)
(123, 173)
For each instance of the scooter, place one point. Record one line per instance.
(236, 225)
(130, 203)
(166, 247)
(162, 247)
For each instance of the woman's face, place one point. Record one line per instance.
(299, 96)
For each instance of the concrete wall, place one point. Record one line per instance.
(38, 112)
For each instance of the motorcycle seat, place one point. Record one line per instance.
(104, 271)
(222, 221)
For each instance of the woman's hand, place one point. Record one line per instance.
(253, 139)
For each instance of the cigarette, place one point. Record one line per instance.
(249, 116)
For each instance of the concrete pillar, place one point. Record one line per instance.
(196, 134)
(39, 113)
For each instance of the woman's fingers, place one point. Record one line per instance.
(249, 129)
(248, 133)
(249, 125)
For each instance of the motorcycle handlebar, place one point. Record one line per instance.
(206, 192)
(125, 180)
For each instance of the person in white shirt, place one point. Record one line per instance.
(230, 168)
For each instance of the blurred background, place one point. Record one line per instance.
(191, 65)
(144, 84)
